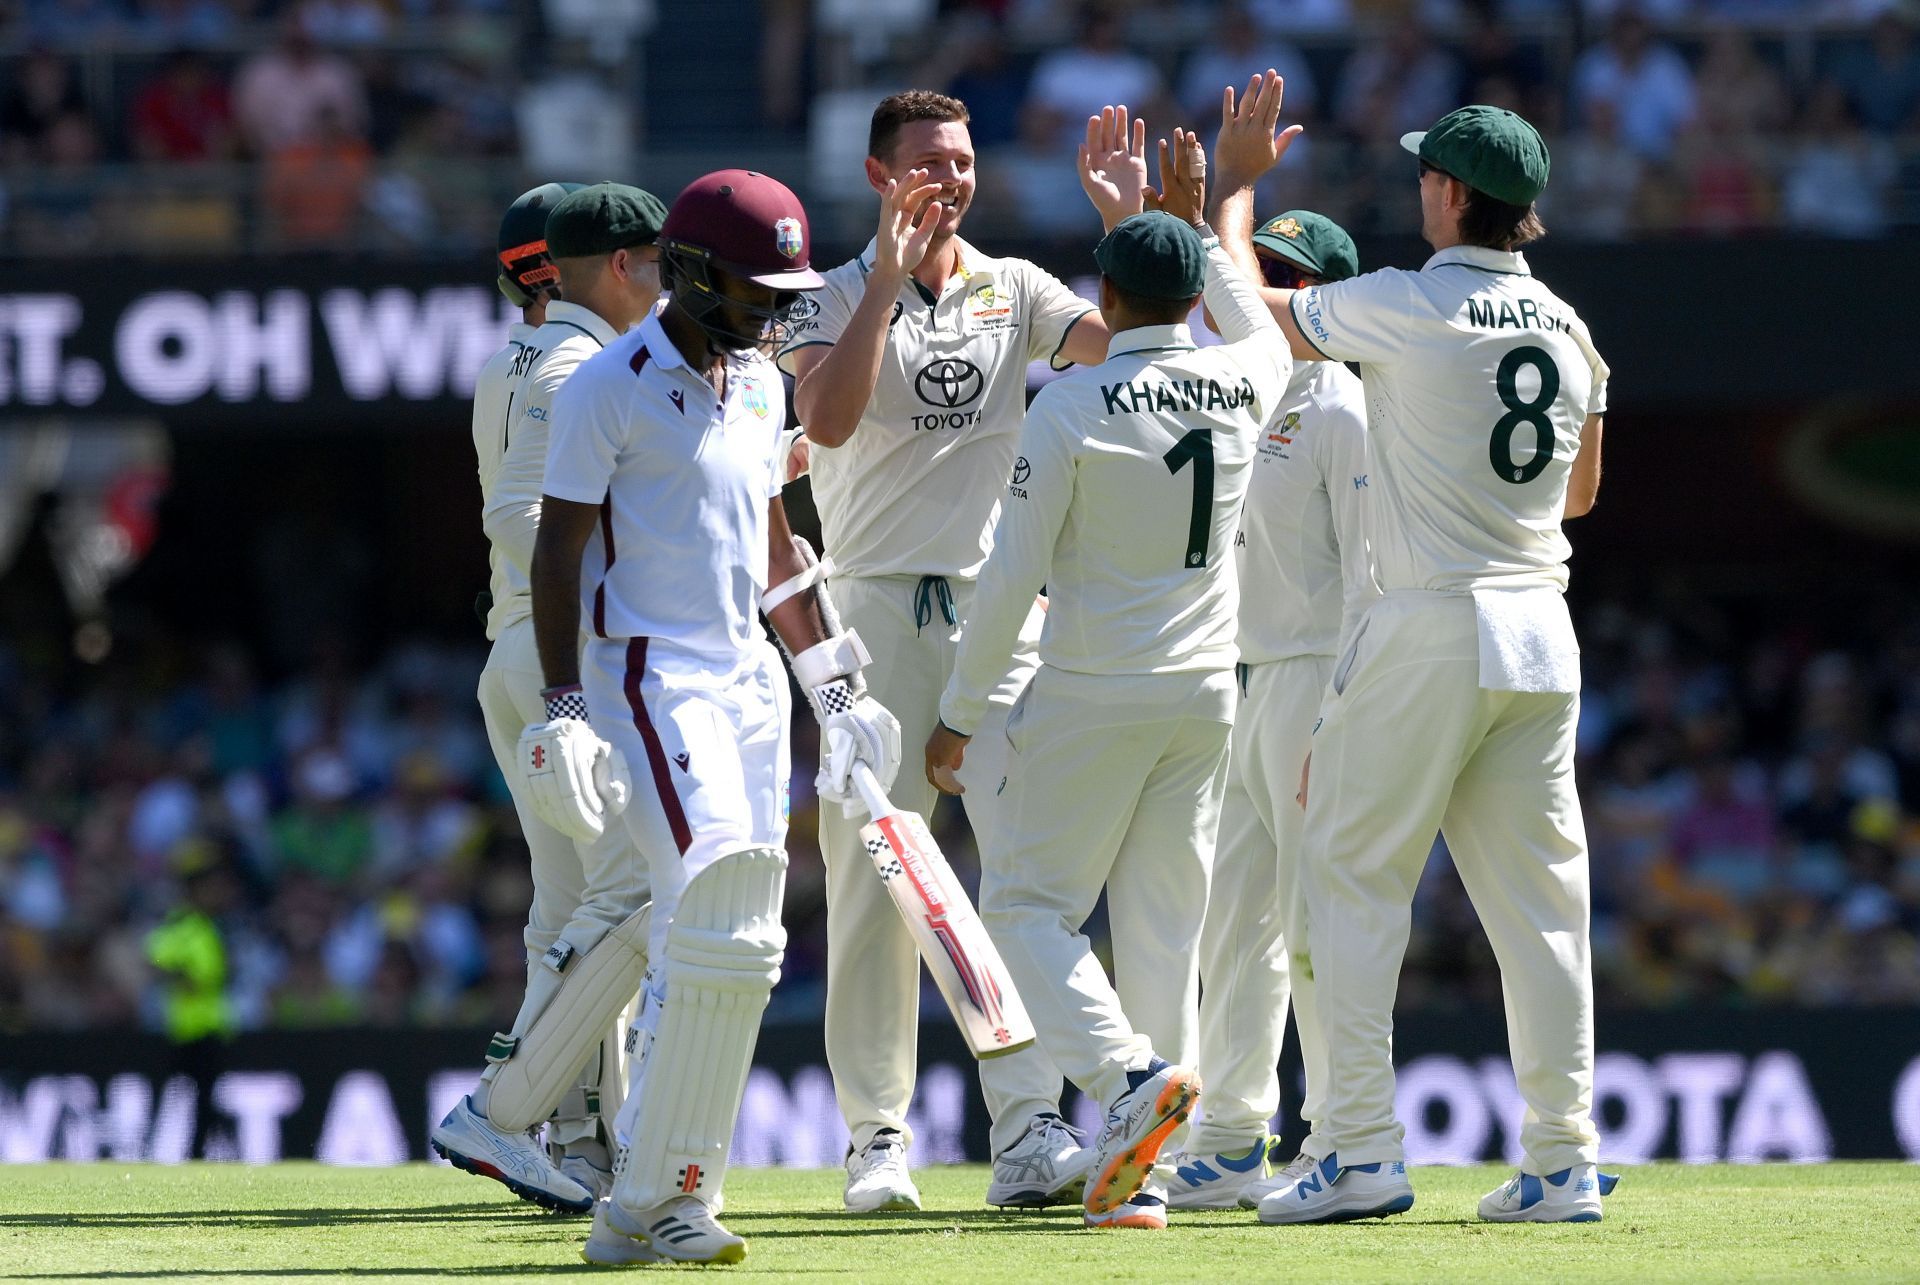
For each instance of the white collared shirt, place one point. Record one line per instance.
(917, 488)
(1470, 365)
(492, 424)
(684, 481)
(548, 357)
(1302, 547)
(1124, 501)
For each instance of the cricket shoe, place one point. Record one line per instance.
(1330, 1193)
(1157, 1101)
(1260, 1188)
(877, 1177)
(584, 1171)
(1216, 1181)
(683, 1230)
(466, 1140)
(1570, 1196)
(1146, 1211)
(1047, 1167)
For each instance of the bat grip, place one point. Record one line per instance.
(870, 792)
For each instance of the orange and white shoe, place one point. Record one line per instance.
(1147, 1211)
(1157, 1101)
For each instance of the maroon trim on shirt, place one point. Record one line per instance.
(656, 753)
(640, 358)
(600, 590)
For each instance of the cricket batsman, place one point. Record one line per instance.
(1304, 578)
(911, 381)
(1123, 502)
(585, 259)
(1453, 705)
(662, 529)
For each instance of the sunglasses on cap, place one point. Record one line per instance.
(1282, 275)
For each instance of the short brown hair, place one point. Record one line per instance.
(897, 110)
(1497, 225)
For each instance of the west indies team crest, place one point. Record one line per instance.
(753, 395)
(787, 238)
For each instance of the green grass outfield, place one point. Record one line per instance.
(112, 1222)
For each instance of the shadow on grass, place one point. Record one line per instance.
(492, 1214)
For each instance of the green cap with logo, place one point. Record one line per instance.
(1311, 242)
(603, 218)
(1154, 255)
(1490, 149)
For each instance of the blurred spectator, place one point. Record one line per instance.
(1239, 51)
(1736, 89)
(1497, 69)
(1837, 178)
(1723, 836)
(44, 90)
(183, 113)
(1402, 82)
(76, 24)
(1097, 69)
(1648, 84)
(312, 190)
(283, 95)
(1596, 179)
(58, 213)
(991, 84)
(1882, 82)
(324, 833)
(182, 24)
(1301, 15)
(1036, 183)
(1726, 168)
(344, 23)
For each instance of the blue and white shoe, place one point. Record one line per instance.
(1569, 1196)
(1216, 1181)
(1332, 1193)
(1259, 1189)
(467, 1140)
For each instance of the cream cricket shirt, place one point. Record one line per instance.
(917, 488)
(548, 357)
(1302, 547)
(683, 480)
(1477, 380)
(492, 425)
(1124, 501)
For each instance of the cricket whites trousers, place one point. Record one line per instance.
(580, 890)
(1115, 782)
(1410, 743)
(1253, 950)
(911, 626)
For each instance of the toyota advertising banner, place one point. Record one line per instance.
(1697, 1086)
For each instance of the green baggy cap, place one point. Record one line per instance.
(1155, 256)
(1311, 242)
(603, 218)
(1490, 149)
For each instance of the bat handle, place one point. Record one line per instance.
(870, 792)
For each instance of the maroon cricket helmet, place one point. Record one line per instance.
(746, 223)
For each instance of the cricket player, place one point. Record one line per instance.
(1123, 502)
(1304, 576)
(663, 476)
(596, 250)
(911, 381)
(1453, 705)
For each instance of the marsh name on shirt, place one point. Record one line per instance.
(1147, 396)
(1528, 316)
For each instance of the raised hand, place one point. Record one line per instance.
(1113, 165)
(1247, 146)
(1183, 177)
(902, 241)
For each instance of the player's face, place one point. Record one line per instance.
(747, 308)
(640, 267)
(944, 149)
(1282, 275)
(1433, 203)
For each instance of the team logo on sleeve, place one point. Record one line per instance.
(753, 395)
(787, 238)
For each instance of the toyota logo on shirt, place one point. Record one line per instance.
(949, 382)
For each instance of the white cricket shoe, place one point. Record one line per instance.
(1569, 1196)
(1297, 1168)
(1329, 1193)
(683, 1230)
(1047, 1167)
(584, 1171)
(1139, 1122)
(877, 1177)
(1146, 1211)
(1216, 1181)
(466, 1140)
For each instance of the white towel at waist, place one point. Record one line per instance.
(1526, 640)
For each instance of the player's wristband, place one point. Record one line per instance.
(565, 701)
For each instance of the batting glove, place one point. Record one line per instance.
(853, 729)
(576, 782)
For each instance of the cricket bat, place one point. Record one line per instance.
(965, 965)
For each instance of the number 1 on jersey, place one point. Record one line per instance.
(1196, 446)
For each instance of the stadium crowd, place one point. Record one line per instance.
(344, 125)
(342, 851)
